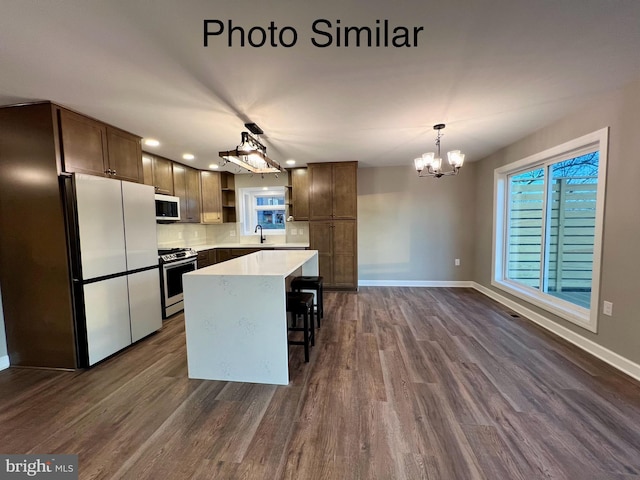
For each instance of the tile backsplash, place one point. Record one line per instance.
(192, 234)
(181, 235)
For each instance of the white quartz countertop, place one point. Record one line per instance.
(199, 248)
(263, 263)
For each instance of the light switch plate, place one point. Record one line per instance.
(607, 308)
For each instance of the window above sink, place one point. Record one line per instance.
(265, 206)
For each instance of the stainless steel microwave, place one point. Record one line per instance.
(167, 208)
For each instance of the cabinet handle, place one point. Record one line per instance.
(113, 173)
(108, 171)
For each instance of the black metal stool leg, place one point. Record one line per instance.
(311, 327)
(306, 337)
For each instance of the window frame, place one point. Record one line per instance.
(248, 211)
(584, 317)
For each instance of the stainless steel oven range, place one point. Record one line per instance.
(174, 263)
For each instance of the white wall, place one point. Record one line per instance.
(412, 228)
(619, 110)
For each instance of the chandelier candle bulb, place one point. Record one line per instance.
(427, 158)
(456, 159)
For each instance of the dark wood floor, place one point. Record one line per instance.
(404, 383)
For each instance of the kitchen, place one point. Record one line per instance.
(96, 231)
(429, 370)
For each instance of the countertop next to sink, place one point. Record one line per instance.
(199, 248)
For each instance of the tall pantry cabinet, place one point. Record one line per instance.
(333, 214)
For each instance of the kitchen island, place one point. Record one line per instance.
(235, 316)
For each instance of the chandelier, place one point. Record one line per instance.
(430, 164)
(251, 154)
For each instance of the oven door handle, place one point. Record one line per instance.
(179, 262)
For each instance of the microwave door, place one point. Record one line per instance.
(167, 208)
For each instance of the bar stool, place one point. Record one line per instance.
(301, 303)
(311, 283)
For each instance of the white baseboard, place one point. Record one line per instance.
(627, 366)
(413, 283)
(4, 362)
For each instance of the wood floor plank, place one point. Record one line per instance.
(403, 383)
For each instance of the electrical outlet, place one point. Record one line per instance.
(457, 262)
(232, 233)
(179, 235)
(294, 231)
(195, 234)
(607, 308)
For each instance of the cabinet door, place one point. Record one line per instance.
(145, 307)
(345, 264)
(180, 189)
(203, 259)
(345, 185)
(211, 197)
(163, 175)
(84, 144)
(147, 169)
(321, 239)
(241, 252)
(300, 193)
(320, 192)
(193, 195)
(125, 155)
(223, 254)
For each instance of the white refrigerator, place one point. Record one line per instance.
(112, 232)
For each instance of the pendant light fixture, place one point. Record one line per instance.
(430, 164)
(251, 154)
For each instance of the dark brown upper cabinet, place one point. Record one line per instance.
(92, 147)
(125, 155)
(211, 197)
(299, 199)
(186, 186)
(158, 172)
(333, 190)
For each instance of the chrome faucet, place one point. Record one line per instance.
(262, 239)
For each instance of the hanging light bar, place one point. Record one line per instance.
(251, 154)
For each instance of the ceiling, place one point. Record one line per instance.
(492, 70)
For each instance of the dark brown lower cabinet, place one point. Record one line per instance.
(337, 245)
(224, 254)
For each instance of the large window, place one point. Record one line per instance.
(548, 228)
(263, 206)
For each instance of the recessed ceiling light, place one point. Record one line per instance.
(188, 156)
(214, 166)
(291, 162)
(151, 142)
